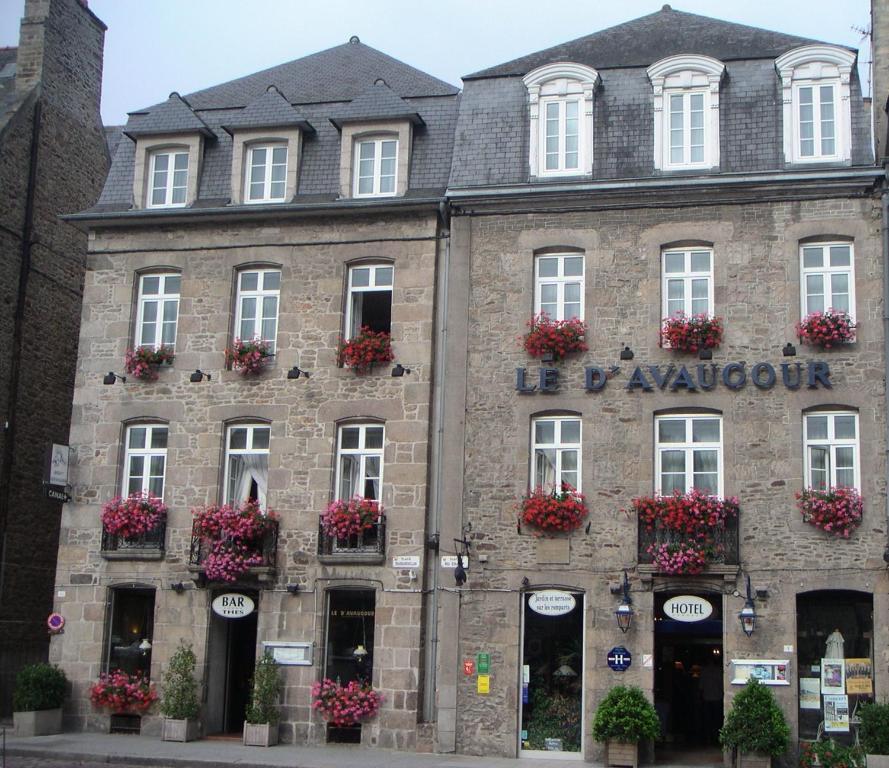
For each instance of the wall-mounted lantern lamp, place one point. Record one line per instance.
(292, 588)
(624, 612)
(112, 377)
(145, 646)
(198, 376)
(462, 546)
(296, 372)
(399, 370)
(747, 615)
(626, 353)
(789, 350)
(178, 587)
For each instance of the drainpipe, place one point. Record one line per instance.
(885, 202)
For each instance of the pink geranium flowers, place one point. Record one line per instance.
(833, 510)
(234, 536)
(826, 329)
(556, 338)
(345, 705)
(137, 514)
(343, 519)
(123, 693)
(142, 362)
(248, 357)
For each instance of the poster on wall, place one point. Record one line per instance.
(836, 713)
(810, 693)
(767, 671)
(859, 676)
(833, 678)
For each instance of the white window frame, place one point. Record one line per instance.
(362, 453)
(260, 293)
(377, 142)
(560, 83)
(686, 161)
(688, 447)
(147, 453)
(687, 276)
(817, 121)
(817, 65)
(171, 154)
(267, 197)
(262, 494)
(352, 290)
(831, 443)
(827, 272)
(560, 280)
(562, 168)
(560, 447)
(162, 298)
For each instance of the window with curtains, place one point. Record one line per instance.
(831, 443)
(556, 452)
(145, 460)
(688, 453)
(359, 462)
(247, 463)
(257, 305)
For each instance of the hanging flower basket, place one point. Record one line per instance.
(556, 338)
(248, 357)
(364, 350)
(123, 693)
(142, 362)
(826, 329)
(691, 334)
(343, 519)
(553, 511)
(234, 535)
(836, 510)
(345, 705)
(133, 516)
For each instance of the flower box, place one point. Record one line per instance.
(834, 510)
(143, 362)
(691, 334)
(622, 753)
(344, 519)
(41, 722)
(826, 329)
(365, 350)
(123, 693)
(345, 705)
(187, 729)
(553, 511)
(260, 734)
(248, 357)
(554, 339)
(133, 517)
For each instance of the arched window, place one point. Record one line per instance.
(556, 452)
(688, 453)
(831, 449)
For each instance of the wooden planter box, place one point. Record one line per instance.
(752, 760)
(260, 734)
(179, 730)
(622, 753)
(42, 722)
(878, 761)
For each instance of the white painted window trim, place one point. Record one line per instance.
(362, 453)
(689, 447)
(560, 281)
(147, 453)
(172, 154)
(249, 450)
(259, 294)
(377, 143)
(559, 81)
(269, 147)
(831, 443)
(816, 65)
(560, 448)
(827, 271)
(351, 290)
(162, 298)
(686, 73)
(687, 275)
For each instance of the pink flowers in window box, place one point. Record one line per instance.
(343, 519)
(123, 693)
(137, 514)
(142, 362)
(691, 334)
(556, 338)
(834, 510)
(364, 350)
(248, 357)
(549, 511)
(345, 705)
(686, 558)
(826, 329)
(234, 535)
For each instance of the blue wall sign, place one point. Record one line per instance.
(619, 659)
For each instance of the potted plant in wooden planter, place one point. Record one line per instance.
(37, 700)
(179, 702)
(874, 733)
(261, 723)
(754, 729)
(623, 719)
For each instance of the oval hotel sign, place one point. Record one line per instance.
(233, 606)
(688, 608)
(552, 602)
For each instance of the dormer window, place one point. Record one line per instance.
(560, 98)
(686, 112)
(266, 173)
(376, 167)
(817, 112)
(169, 178)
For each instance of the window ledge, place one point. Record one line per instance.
(263, 574)
(728, 572)
(365, 558)
(141, 554)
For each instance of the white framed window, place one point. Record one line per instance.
(560, 138)
(247, 463)
(558, 285)
(686, 129)
(145, 459)
(157, 314)
(376, 167)
(688, 453)
(369, 300)
(168, 174)
(257, 305)
(359, 461)
(266, 179)
(687, 281)
(815, 116)
(556, 452)
(831, 447)
(827, 272)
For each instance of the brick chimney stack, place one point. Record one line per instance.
(879, 14)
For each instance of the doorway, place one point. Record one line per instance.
(231, 658)
(689, 676)
(551, 681)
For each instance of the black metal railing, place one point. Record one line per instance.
(722, 547)
(151, 541)
(266, 546)
(369, 542)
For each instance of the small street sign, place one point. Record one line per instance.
(483, 662)
(619, 659)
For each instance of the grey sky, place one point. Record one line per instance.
(156, 46)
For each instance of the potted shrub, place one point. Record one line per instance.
(623, 719)
(248, 357)
(261, 723)
(179, 704)
(833, 510)
(554, 339)
(365, 349)
(754, 729)
(874, 733)
(553, 511)
(37, 700)
(143, 362)
(693, 333)
(826, 329)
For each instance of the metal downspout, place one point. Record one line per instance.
(885, 202)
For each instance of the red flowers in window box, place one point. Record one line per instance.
(248, 357)
(345, 705)
(365, 349)
(123, 693)
(556, 338)
(343, 519)
(134, 516)
(835, 510)
(234, 535)
(142, 362)
(690, 334)
(826, 329)
(549, 511)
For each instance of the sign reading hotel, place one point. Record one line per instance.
(688, 608)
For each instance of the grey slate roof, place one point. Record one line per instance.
(643, 41)
(113, 136)
(378, 102)
(175, 115)
(271, 110)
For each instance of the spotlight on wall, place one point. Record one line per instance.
(789, 350)
(296, 372)
(399, 370)
(626, 353)
(111, 377)
(198, 376)
(624, 612)
(292, 588)
(747, 615)
(178, 587)
(705, 354)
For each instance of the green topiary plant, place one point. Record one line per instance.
(625, 715)
(874, 729)
(267, 687)
(39, 686)
(755, 723)
(180, 690)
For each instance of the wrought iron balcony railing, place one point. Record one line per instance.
(266, 547)
(723, 548)
(146, 546)
(367, 546)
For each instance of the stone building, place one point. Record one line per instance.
(670, 164)
(52, 160)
